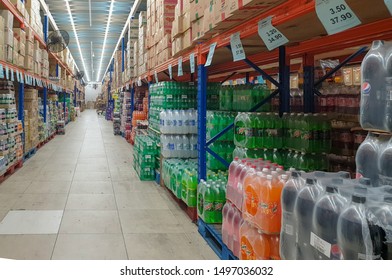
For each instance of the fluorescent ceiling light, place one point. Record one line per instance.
(135, 6)
(89, 8)
(76, 37)
(106, 37)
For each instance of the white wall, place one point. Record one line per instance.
(91, 93)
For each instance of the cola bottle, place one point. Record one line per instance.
(385, 165)
(373, 72)
(358, 234)
(367, 157)
(324, 228)
(303, 211)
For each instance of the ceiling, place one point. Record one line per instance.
(91, 38)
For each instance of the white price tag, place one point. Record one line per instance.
(336, 15)
(270, 35)
(180, 72)
(22, 78)
(7, 74)
(236, 47)
(17, 75)
(1, 71)
(139, 82)
(12, 75)
(210, 54)
(192, 62)
(156, 76)
(170, 71)
(388, 3)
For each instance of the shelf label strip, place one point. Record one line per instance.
(192, 62)
(236, 47)
(7, 74)
(180, 72)
(336, 16)
(210, 54)
(388, 3)
(170, 71)
(270, 35)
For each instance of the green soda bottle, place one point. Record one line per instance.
(277, 157)
(269, 127)
(278, 141)
(251, 131)
(200, 198)
(222, 98)
(239, 130)
(260, 130)
(215, 123)
(325, 134)
(305, 133)
(220, 200)
(192, 190)
(229, 98)
(209, 202)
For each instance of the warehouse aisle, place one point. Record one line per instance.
(79, 198)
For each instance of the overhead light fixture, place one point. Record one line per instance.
(76, 37)
(135, 6)
(106, 37)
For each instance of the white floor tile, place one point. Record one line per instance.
(31, 222)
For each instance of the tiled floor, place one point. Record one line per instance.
(79, 198)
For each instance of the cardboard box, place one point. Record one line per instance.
(142, 18)
(186, 21)
(22, 49)
(208, 19)
(197, 30)
(177, 28)
(197, 8)
(8, 19)
(8, 37)
(187, 40)
(28, 62)
(2, 23)
(9, 53)
(2, 52)
(2, 39)
(29, 48)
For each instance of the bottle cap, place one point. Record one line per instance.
(331, 189)
(310, 181)
(294, 174)
(357, 198)
(284, 177)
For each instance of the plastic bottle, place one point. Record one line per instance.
(385, 164)
(366, 157)
(232, 171)
(227, 227)
(268, 217)
(261, 246)
(251, 198)
(303, 211)
(209, 202)
(358, 238)
(237, 222)
(247, 234)
(324, 230)
(193, 146)
(220, 199)
(373, 73)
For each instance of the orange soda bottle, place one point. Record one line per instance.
(261, 246)
(268, 217)
(274, 241)
(251, 196)
(247, 234)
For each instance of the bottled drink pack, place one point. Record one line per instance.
(376, 98)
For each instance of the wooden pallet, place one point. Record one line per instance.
(30, 153)
(212, 234)
(190, 211)
(11, 170)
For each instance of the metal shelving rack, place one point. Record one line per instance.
(298, 21)
(34, 80)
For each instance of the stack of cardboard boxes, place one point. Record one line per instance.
(181, 34)
(33, 10)
(160, 15)
(7, 36)
(142, 58)
(31, 118)
(133, 36)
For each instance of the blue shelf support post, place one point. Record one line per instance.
(123, 54)
(308, 83)
(284, 81)
(45, 102)
(74, 95)
(46, 28)
(202, 119)
(133, 100)
(21, 110)
(64, 106)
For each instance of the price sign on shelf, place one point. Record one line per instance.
(180, 72)
(236, 47)
(12, 75)
(22, 78)
(139, 82)
(17, 76)
(156, 76)
(210, 54)
(389, 5)
(1, 71)
(336, 16)
(170, 71)
(192, 62)
(270, 35)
